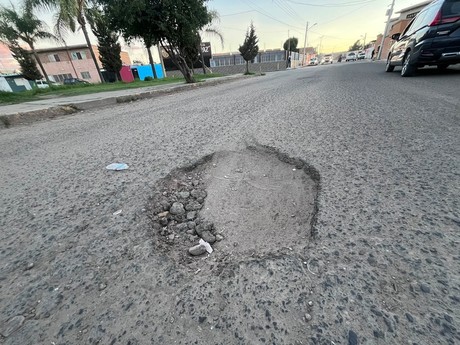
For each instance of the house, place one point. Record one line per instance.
(73, 62)
(8, 65)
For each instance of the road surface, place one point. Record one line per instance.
(383, 267)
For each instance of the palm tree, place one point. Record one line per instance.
(23, 26)
(69, 13)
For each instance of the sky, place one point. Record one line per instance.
(334, 24)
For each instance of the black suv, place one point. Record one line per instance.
(431, 38)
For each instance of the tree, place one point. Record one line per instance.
(249, 49)
(291, 44)
(23, 26)
(70, 12)
(108, 45)
(28, 66)
(181, 22)
(173, 24)
(140, 19)
(355, 46)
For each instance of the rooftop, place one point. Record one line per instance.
(421, 4)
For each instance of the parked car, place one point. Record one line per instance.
(75, 81)
(351, 56)
(432, 38)
(326, 59)
(42, 84)
(361, 55)
(313, 61)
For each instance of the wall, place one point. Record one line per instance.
(238, 69)
(396, 28)
(4, 86)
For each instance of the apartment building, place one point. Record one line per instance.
(73, 62)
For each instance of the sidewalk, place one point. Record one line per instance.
(36, 110)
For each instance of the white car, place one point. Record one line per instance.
(351, 56)
(326, 59)
(361, 55)
(41, 84)
(313, 61)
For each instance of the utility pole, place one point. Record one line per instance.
(305, 43)
(390, 13)
(320, 44)
(289, 49)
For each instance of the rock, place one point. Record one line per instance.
(195, 182)
(425, 288)
(102, 286)
(205, 226)
(171, 237)
(200, 200)
(191, 225)
(197, 250)
(29, 266)
(191, 232)
(164, 221)
(208, 236)
(191, 215)
(308, 317)
(202, 319)
(156, 226)
(310, 303)
(182, 227)
(163, 214)
(219, 237)
(409, 317)
(193, 206)
(12, 325)
(177, 208)
(183, 195)
(198, 193)
(379, 334)
(165, 205)
(352, 338)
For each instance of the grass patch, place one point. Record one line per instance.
(83, 89)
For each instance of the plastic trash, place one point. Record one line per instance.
(117, 166)
(116, 213)
(206, 245)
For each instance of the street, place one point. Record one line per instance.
(382, 263)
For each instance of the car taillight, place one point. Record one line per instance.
(438, 20)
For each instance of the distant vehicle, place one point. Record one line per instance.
(361, 55)
(75, 81)
(351, 56)
(326, 59)
(41, 84)
(432, 38)
(313, 61)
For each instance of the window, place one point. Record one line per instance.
(85, 75)
(59, 78)
(54, 58)
(78, 56)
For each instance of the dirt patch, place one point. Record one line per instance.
(250, 203)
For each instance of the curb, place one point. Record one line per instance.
(9, 120)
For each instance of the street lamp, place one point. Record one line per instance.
(305, 43)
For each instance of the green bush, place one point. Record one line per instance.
(148, 79)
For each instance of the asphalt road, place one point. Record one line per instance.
(384, 267)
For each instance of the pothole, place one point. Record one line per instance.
(254, 202)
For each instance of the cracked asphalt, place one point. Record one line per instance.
(384, 267)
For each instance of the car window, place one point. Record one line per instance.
(417, 23)
(451, 8)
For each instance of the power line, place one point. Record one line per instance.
(235, 14)
(261, 11)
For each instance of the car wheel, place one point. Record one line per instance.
(388, 66)
(442, 67)
(408, 68)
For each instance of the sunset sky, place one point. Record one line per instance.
(339, 22)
